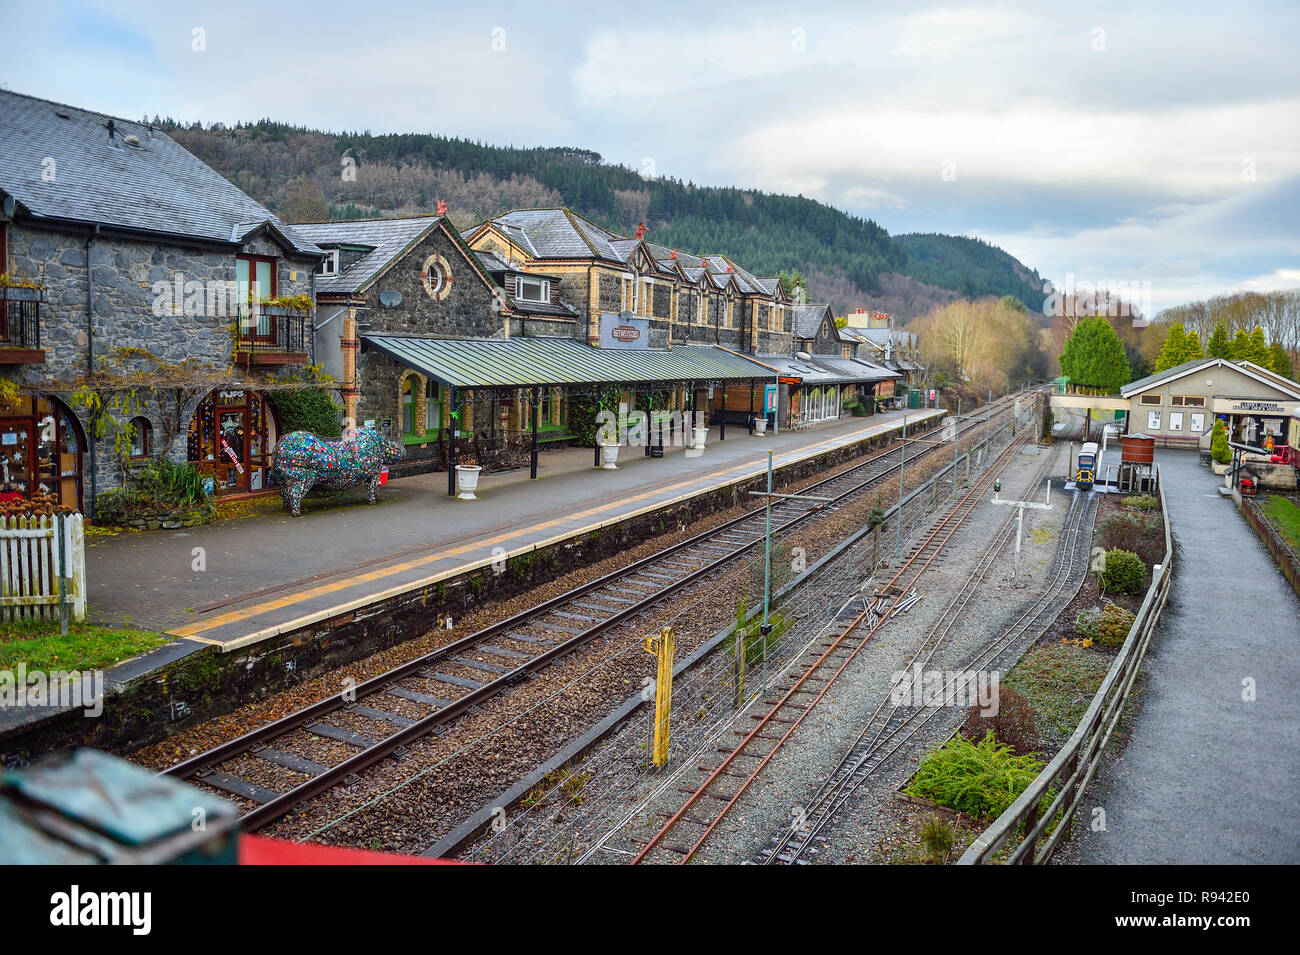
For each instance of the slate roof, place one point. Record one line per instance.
(808, 320)
(156, 186)
(558, 234)
(1178, 371)
(390, 238)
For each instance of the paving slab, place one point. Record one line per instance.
(267, 574)
(1208, 777)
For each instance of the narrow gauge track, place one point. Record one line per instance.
(890, 728)
(515, 648)
(811, 686)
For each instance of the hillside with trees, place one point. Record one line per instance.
(307, 175)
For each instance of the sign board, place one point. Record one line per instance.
(932, 394)
(785, 380)
(624, 331)
(1264, 407)
(386, 427)
(769, 399)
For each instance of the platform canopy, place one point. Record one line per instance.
(542, 362)
(828, 369)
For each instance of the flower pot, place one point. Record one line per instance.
(467, 481)
(760, 426)
(609, 457)
(1220, 468)
(700, 435)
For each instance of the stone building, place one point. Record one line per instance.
(416, 278)
(138, 279)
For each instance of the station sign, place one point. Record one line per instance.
(1259, 407)
(624, 331)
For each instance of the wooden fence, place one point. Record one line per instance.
(1073, 767)
(42, 567)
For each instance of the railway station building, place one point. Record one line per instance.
(1178, 406)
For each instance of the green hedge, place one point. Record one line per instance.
(307, 409)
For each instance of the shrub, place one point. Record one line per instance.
(1143, 534)
(1013, 723)
(307, 409)
(1085, 625)
(937, 839)
(1220, 453)
(1142, 502)
(1124, 572)
(161, 484)
(1113, 625)
(980, 779)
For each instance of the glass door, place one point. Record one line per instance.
(232, 450)
(15, 458)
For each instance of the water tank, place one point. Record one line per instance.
(1139, 449)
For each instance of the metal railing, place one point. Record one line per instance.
(1076, 763)
(271, 330)
(20, 323)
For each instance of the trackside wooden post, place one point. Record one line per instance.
(662, 646)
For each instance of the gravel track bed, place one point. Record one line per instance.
(620, 780)
(444, 777)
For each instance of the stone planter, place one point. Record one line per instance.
(18, 293)
(701, 434)
(609, 457)
(1219, 468)
(467, 481)
(760, 426)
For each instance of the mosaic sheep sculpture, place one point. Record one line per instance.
(303, 461)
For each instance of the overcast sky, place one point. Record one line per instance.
(1115, 142)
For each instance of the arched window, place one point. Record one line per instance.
(141, 437)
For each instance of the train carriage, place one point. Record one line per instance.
(1085, 471)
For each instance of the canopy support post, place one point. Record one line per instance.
(536, 409)
(451, 441)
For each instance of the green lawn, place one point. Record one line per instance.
(39, 646)
(1285, 517)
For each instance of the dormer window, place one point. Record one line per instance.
(330, 264)
(533, 290)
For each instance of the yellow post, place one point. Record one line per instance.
(662, 646)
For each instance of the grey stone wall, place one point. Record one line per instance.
(137, 303)
(610, 297)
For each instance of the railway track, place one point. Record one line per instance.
(726, 783)
(891, 727)
(425, 694)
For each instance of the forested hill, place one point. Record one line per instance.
(969, 266)
(306, 175)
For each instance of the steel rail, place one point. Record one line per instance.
(849, 773)
(929, 548)
(272, 809)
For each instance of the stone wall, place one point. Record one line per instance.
(176, 302)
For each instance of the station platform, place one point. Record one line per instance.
(271, 574)
(1207, 776)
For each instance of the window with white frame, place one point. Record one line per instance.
(330, 264)
(533, 290)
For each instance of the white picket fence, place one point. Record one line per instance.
(37, 554)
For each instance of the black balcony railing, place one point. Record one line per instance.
(269, 329)
(20, 323)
